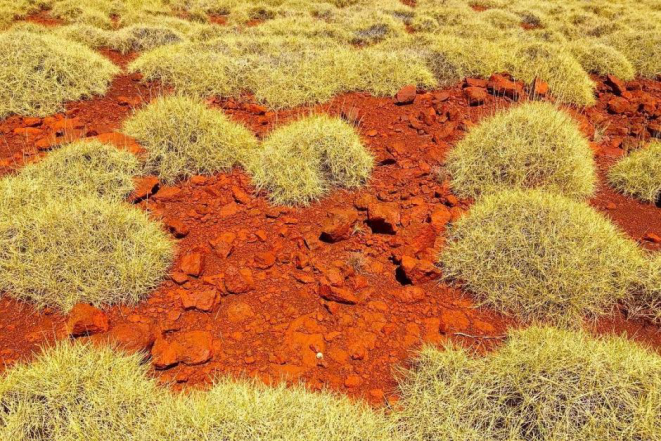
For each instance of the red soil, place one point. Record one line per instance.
(258, 290)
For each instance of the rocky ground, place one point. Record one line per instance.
(337, 294)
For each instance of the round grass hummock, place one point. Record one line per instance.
(87, 249)
(541, 256)
(533, 145)
(184, 138)
(639, 174)
(39, 73)
(77, 391)
(542, 384)
(85, 168)
(300, 162)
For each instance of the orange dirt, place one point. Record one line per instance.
(261, 290)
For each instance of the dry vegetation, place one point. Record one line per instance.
(302, 161)
(39, 73)
(99, 393)
(541, 256)
(305, 52)
(639, 174)
(184, 138)
(533, 146)
(85, 249)
(543, 383)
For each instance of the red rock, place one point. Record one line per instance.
(619, 105)
(190, 348)
(500, 85)
(143, 188)
(167, 193)
(453, 321)
(264, 260)
(352, 381)
(419, 271)
(85, 319)
(476, 82)
(339, 295)
(440, 217)
(239, 312)
(338, 225)
(120, 141)
(177, 228)
(409, 294)
(406, 95)
(31, 121)
(383, 217)
(129, 101)
(655, 129)
(539, 88)
(164, 354)
(618, 86)
(133, 337)
(238, 281)
(203, 300)
(475, 95)
(652, 237)
(223, 244)
(27, 131)
(192, 264)
(256, 109)
(193, 347)
(240, 196)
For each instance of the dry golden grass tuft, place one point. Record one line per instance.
(541, 256)
(184, 138)
(76, 391)
(302, 161)
(639, 174)
(85, 249)
(79, 391)
(282, 71)
(87, 168)
(543, 383)
(533, 145)
(41, 72)
(247, 411)
(600, 59)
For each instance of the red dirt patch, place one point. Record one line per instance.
(336, 294)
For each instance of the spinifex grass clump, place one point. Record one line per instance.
(639, 174)
(89, 168)
(85, 249)
(534, 145)
(302, 161)
(242, 410)
(39, 73)
(541, 256)
(184, 138)
(79, 391)
(543, 383)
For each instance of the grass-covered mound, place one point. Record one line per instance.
(639, 174)
(543, 383)
(246, 411)
(645, 300)
(79, 391)
(534, 145)
(86, 249)
(84, 168)
(183, 138)
(75, 391)
(302, 161)
(542, 256)
(282, 71)
(39, 73)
